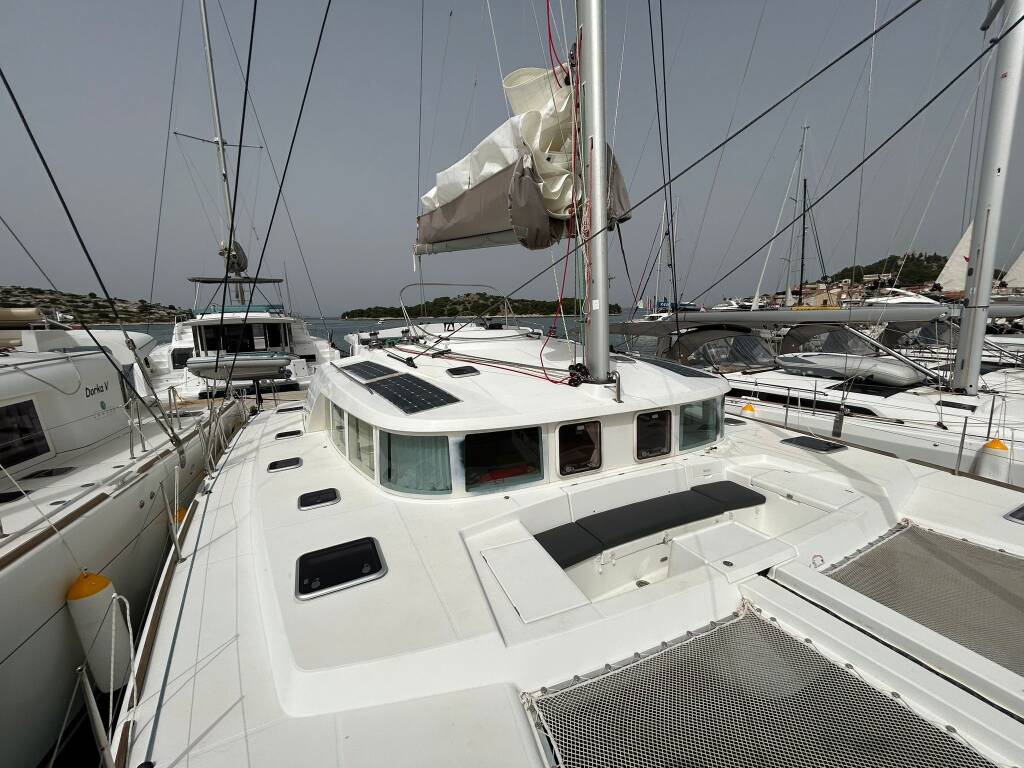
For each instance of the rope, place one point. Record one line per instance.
(878, 148)
(284, 172)
(167, 147)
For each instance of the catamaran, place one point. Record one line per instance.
(92, 478)
(477, 545)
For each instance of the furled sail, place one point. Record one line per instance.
(953, 276)
(517, 185)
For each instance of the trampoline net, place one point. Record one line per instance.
(742, 694)
(971, 594)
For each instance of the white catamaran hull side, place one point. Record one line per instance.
(119, 528)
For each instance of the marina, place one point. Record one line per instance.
(711, 510)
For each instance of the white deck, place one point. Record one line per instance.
(426, 665)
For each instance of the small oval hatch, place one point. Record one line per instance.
(320, 498)
(462, 370)
(282, 464)
(338, 567)
(288, 433)
(289, 409)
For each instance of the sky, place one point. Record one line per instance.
(95, 82)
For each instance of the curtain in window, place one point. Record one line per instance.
(416, 464)
(360, 444)
(338, 427)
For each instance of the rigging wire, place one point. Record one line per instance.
(437, 99)
(622, 61)
(864, 140)
(165, 427)
(497, 55)
(230, 246)
(167, 147)
(284, 172)
(419, 115)
(273, 169)
(583, 242)
(666, 187)
(969, 176)
(199, 194)
(935, 97)
(26, 251)
(721, 155)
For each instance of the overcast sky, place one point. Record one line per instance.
(95, 81)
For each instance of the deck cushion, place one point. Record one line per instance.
(730, 495)
(642, 518)
(569, 544)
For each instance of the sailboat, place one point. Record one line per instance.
(91, 482)
(252, 345)
(474, 545)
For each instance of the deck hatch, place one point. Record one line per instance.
(288, 433)
(289, 409)
(411, 393)
(367, 370)
(742, 693)
(322, 498)
(282, 464)
(966, 592)
(815, 444)
(338, 567)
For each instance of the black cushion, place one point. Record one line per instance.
(730, 495)
(569, 544)
(642, 518)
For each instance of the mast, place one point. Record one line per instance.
(1006, 82)
(596, 157)
(803, 246)
(218, 140)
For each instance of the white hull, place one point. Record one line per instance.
(123, 533)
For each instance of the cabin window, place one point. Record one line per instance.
(699, 423)
(415, 463)
(653, 434)
(21, 434)
(360, 444)
(273, 331)
(337, 427)
(180, 356)
(579, 447)
(498, 459)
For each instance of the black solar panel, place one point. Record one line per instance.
(410, 393)
(367, 369)
(682, 370)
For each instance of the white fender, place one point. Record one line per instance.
(89, 603)
(992, 461)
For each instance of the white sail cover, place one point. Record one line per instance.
(953, 276)
(540, 126)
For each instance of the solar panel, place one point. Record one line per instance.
(410, 393)
(682, 370)
(367, 369)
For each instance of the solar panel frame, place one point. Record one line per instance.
(410, 393)
(367, 370)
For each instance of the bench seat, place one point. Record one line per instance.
(573, 543)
